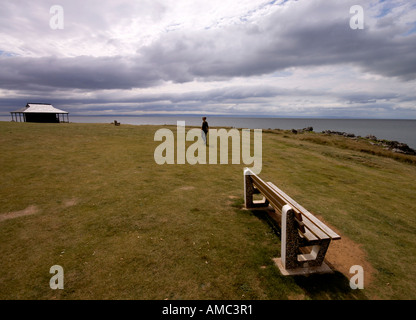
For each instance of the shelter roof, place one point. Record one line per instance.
(40, 108)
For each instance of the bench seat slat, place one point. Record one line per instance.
(308, 230)
(314, 229)
(279, 198)
(306, 214)
(311, 231)
(306, 233)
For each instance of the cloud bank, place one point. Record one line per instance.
(265, 58)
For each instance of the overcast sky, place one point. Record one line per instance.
(232, 57)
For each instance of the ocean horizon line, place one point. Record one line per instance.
(401, 130)
(228, 116)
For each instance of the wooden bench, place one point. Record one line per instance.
(116, 123)
(304, 238)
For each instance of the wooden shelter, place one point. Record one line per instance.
(40, 112)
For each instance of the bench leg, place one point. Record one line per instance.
(249, 191)
(290, 239)
(291, 244)
(317, 255)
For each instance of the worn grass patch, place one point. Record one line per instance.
(91, 198)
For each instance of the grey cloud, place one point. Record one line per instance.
(79, 72)
(275, 43)
(232, 94)
(262, 96)
(307, 34)
(240, 51)
(366, 98)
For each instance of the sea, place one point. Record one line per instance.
(390, 129)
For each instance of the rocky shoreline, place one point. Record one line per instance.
(393, 146)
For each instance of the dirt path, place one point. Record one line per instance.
(345, 253)
(32, 209)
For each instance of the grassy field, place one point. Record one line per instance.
(90, 198)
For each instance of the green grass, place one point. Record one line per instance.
(123, 227)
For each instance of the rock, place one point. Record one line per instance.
(349, 135)
(307, 129)
(345, 134)
(393, 146)
(371, 137)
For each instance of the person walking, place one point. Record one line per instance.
(204, 129)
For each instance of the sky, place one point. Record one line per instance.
(282, 58)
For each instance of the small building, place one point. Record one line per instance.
(40, 112)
